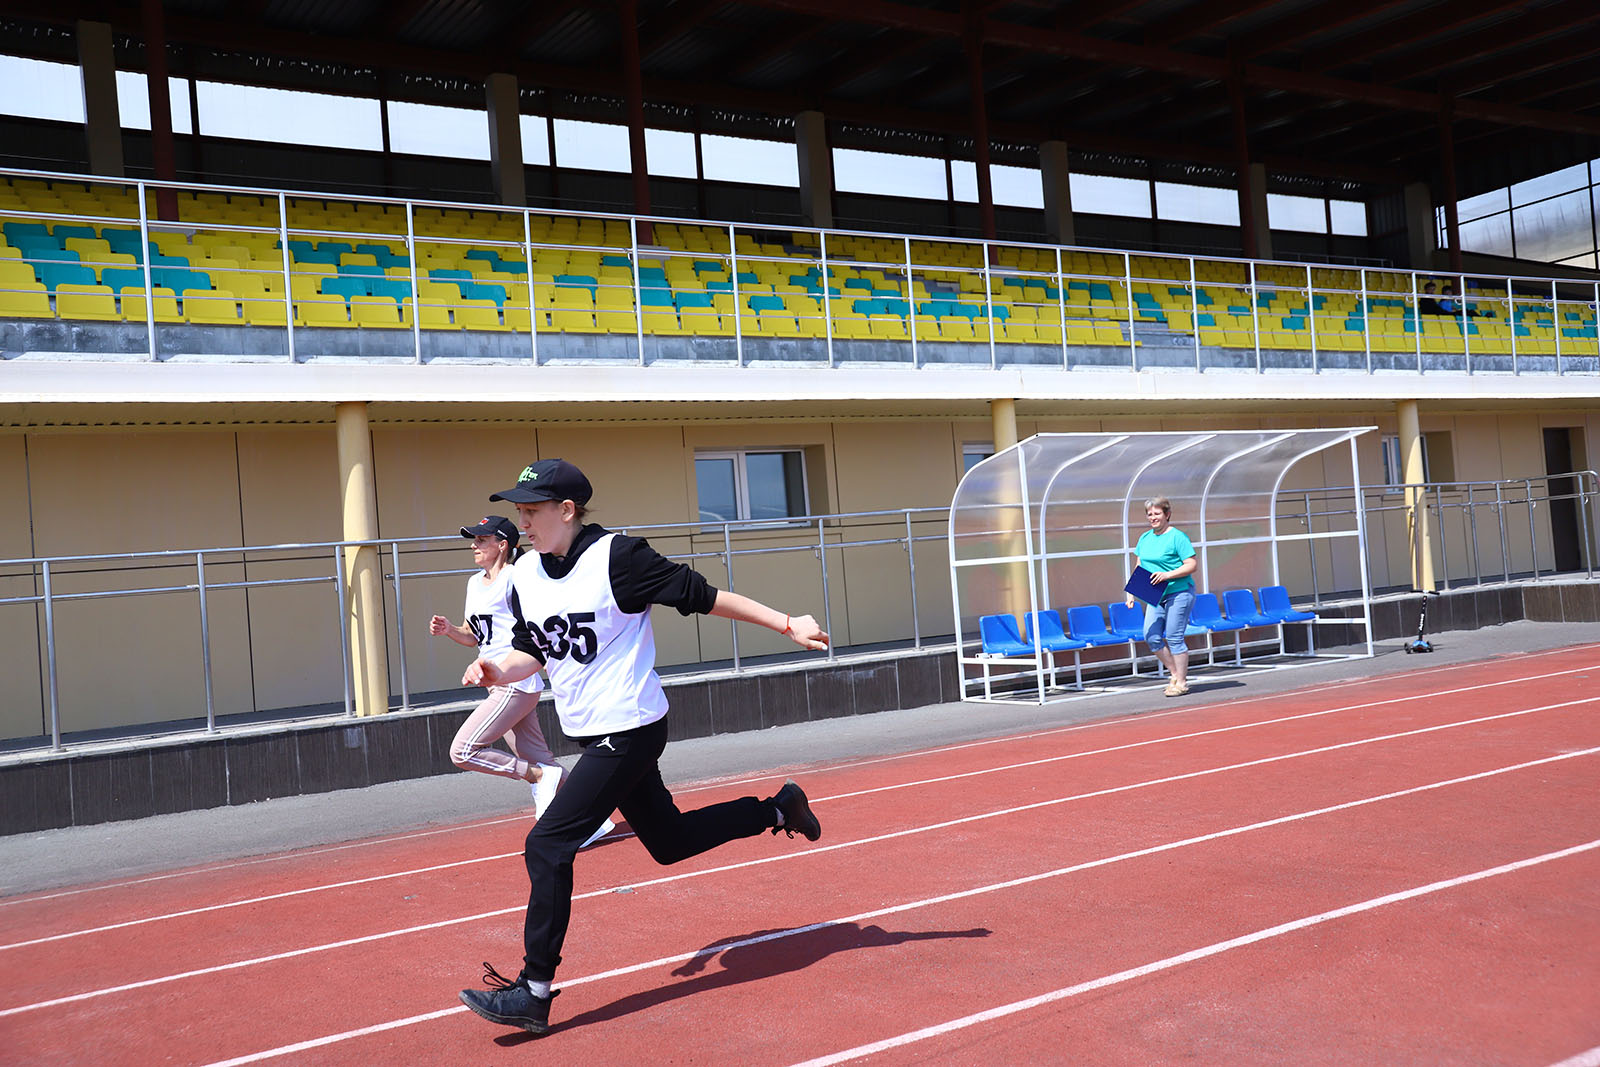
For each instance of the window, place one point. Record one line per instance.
(888, 174)
(1100, 194)
(1438, 458)
(593, 146)
(1197, 203)
(975, 452)
(748, 160)
(433, 130)
(253, 113)
(750, 486)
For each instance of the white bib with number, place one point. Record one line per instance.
(600, 660)
(490, 620)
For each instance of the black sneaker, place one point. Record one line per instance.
(509, 1002)
(797, 817)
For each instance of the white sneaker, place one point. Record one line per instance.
(544, 790)
(605, 828)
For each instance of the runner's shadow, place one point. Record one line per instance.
(750, 958)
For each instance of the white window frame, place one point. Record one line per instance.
(1394, 474)
(741, 483)
(981, 449)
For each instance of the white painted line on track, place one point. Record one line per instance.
(385, 935)
(930, 901)
(735, 781)
(1000, 1012)
(842, 796)
(1591, 1058)
(190, 872)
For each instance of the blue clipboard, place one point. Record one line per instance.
(1140, 586)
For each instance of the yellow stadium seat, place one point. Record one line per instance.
(363, 259)
(705, 322)
(164, 305)
(435, 316)
(329, 312)
(210, 307)
(264, 312)
(888, 327)
(572, 320)
(851, 327)
(15, 274)
(379, 312)
(94, 302)
(478, 315)
(662, 321)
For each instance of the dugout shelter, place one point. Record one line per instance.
(1051, 523)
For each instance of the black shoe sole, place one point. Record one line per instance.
(807, 825)
(533, 1026)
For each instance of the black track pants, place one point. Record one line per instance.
(617, 772)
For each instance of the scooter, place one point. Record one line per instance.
(1421, 644)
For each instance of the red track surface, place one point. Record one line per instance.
(1080, 885)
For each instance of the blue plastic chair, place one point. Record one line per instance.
(1126, 621)
(1000, 636)
(1206, 613)
(1240, 605)
(1053, 639)
(1275, 605)
(1085, 623)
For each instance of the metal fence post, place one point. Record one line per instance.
(1533, 535)
(638, 301)
(827, 606)
(400, 628)
(1316, 595)
(288, 283)
(911, 306)
(149, 285)
(50, 654)
(727, 563)
(911, 557)
(1500, 517)
(205, 641)
(738, 315)
(533, 307)
(344, 631)
(1444, 534)
(416, 289)
(1583, 521)
(1472, 525)
(827, 296)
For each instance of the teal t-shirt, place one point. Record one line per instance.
(1166, 552)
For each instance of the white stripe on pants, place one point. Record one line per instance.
(507, 713)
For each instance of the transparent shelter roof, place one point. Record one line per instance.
(1085, 492)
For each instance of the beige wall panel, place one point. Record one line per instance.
(637, 471)
(789, 581)
(22, 709)
(137, 659)
(1522, 449)
(431, 481)
(289, 482)
(881, 466)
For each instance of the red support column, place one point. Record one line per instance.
(1447, 163)
(633, 82)
(162, 152)
(980, 118)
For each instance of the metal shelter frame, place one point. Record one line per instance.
(1078, 489)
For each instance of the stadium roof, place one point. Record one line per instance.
(1340, 89)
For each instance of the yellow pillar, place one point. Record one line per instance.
(1416, 501)
(1003, 416)
(358, 501)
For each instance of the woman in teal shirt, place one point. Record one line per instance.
(1166, 552)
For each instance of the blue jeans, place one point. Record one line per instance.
(1164, 623)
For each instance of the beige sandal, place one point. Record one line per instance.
(1176, 691)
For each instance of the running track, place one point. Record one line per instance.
(1400, 869)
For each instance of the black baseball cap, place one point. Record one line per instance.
(548, 479)
(494, 526)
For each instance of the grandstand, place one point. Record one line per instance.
(239, 340)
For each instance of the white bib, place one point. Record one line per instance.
(600, 660)
(490, 619)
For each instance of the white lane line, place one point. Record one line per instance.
(861, 1051)
(276, 858)
(1591, 1058)
(384, 935)
(818, 800)
(924, 903)
(723, 783)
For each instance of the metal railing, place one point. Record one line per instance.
(1022, 302)
(1477, 537)
(821, 536)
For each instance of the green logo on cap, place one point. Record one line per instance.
(528, 474)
